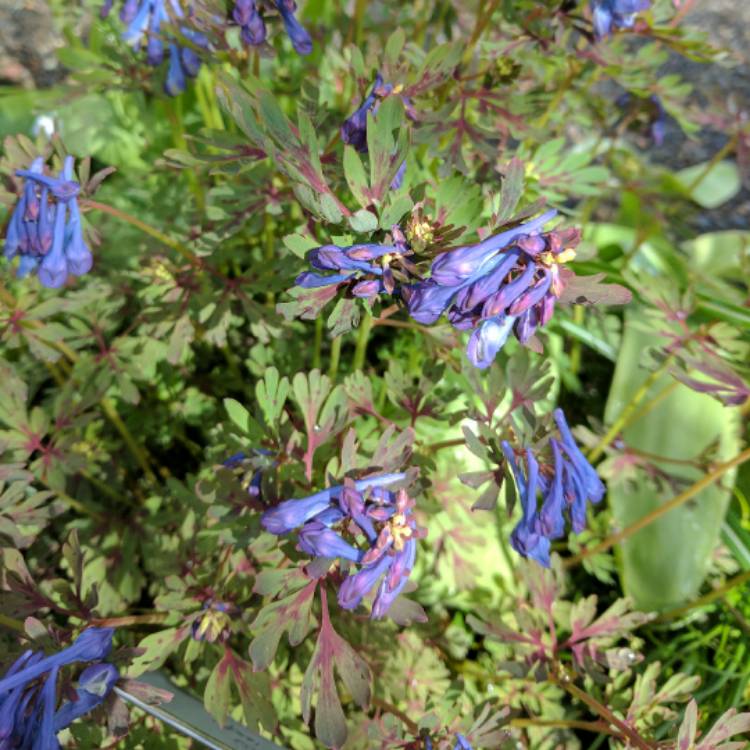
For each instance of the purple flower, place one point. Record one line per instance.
(615, 14)
(48, 236)
(365, 270)
(94, 683)
(143, 19)
(28, 718)
(461, 743)
(488, 339)
(526, 539)
(318, 540)
(363, 511)
(253, 28)
(508, 282)
(301, 40)
(290, 514)
(354, 128)
(566, 486)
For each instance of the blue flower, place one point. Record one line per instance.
(290, 514)
(45, 229)
(508, 282)
(301, 40)
(615, 14)
(253, 28)
(566, 487)
(318, 540)
(247, 17)
(365, 270)
(354, 128)
(365, 508)
(144, 19)
(28, 716)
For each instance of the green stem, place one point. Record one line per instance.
(138, 453)
(602, 711)
(174, 110)
(269, 252)
(711, 596)
(184, 251)
(318, 343)
(333, 367)
(363, 337)
(484, 16)
(575, 346)
(727, 149)
(663, 509)
(11, 623)
(627, 413)
(359, 20)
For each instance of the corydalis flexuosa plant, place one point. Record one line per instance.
(29, 716)
(354, 128)
(246, 14)
(143, 19)
(45, 228)
(566, 483)
(507, 283)
(608, 15)
(370, 529)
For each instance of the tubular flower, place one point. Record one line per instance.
(365, 270)
(45, 228)
(354, 128)
(380, 524)
(29, 719)
(507, 283)
(143, 19)
(566, 486)
(615, 14)
(253, 27)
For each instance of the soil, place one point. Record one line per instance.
(724, 85)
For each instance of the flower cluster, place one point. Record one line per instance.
(143, 19)
(509, 282)
(615, 14)
(213, 624)
(253, 27)
(365, 270)
(568, 484)
(361, 510)
(29, 717)
(45, 228)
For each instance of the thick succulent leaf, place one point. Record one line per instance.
(664, 564)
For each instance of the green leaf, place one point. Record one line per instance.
(664, 564)
(271, 393)
(238, 414)
(719, 185)
(512, 190)
(394, 45)
(218, 693)
(363, 221)
(356, 177)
